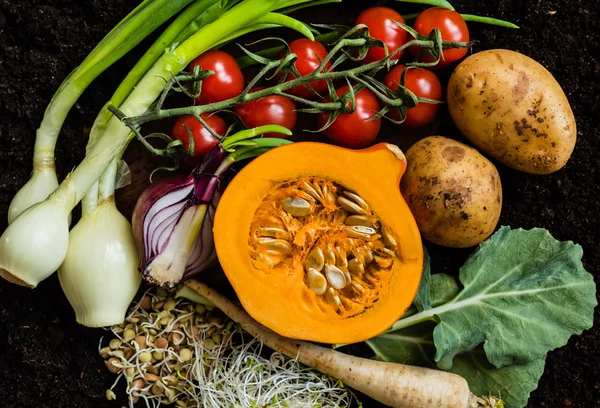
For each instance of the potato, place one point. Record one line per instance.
(512, 108)
(453, 191)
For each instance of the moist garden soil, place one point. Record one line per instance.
(47, 359)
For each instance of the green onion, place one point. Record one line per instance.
(128, 33)
(197, 14)
(44, 228)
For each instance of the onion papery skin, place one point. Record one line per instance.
(172, 223)
(100, 273)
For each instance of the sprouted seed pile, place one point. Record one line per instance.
(174, 351)
(317, 232)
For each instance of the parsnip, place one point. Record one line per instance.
(396, 385)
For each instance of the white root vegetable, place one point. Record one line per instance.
(396, 385)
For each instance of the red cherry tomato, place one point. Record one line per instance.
(310, 54)
(354, 130)
(452, 27)
(204, 141)
(227, 81)
(422, 83)
(270, 110)
(380, 21)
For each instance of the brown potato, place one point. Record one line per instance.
(453, 191)
(512, 108)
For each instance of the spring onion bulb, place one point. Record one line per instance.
(144, 19)
(173, 219)
(34, 245)
(115, 137)
(100, 274)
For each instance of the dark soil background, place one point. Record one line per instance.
(46, 359)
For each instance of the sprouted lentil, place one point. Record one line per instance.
(173, 351)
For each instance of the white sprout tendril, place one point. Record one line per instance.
(228, 371)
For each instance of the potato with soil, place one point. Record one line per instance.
(512, 108)
(453, 191)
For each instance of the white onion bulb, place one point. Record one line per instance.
(100, 273)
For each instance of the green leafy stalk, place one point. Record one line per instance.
(127, 34)
(271, 20)
(200, 12)
(135, 27)
(523, 294)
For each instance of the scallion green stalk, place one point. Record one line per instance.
(43, 228)
(197, 14)
(127, 34)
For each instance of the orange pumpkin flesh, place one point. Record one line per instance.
(266, 251)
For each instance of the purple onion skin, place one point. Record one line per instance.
(204, 174)
(206, 184)
(148, 197)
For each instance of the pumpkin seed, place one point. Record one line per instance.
(350, 206)
(329, 255)
(315, 259)
(355, 267)
(358, 200)
(364, 255)
(279, 246)
(335, 277)
(340, 258)
(316, 281)
(360, 232)
(297, 207)
(333, 299)
(308, 188)
(388, 252)
(273, 232)
(348, 277)
(358, 288)
(361, 220)
(388, 238)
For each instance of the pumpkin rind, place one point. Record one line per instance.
(374, 174)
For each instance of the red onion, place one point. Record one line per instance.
(173, 220)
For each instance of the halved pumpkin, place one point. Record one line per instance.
(318, 242)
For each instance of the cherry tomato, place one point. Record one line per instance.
(380, 21)
(204, 141)
(227, 81)
(270, 110)
(452, 27)
(353, 130)
(310, 54)
(422, 83)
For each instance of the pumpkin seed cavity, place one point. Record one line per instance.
(331, 234)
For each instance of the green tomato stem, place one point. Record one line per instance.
(279, 89)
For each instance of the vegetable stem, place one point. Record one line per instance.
(127, 34)
(393, 384)
(489, 20)
(279, 89)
